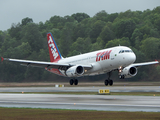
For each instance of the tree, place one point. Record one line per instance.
(80, 16)
(78, 45)
(126, 14)
(136, 36)
(145, 28)
(15, 31)
(81, 45)
(112, 17)
(107, 34)
(157, 23)
(21, 51)
(80, 30)
(26, 20)
(102, 15)
(32, 35)
(124, 28)
(123, 42)
(66, 38)
(148, 49)
(56, 22)
(154, 33)
(96, 30)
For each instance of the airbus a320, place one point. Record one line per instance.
(104, 61)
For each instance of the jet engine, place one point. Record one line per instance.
(128, 72)
(75, 71)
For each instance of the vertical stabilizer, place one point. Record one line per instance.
(54, 53)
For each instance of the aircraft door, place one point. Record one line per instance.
(114, 58)
(113, 54)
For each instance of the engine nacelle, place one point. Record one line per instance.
(75, 71)
(129, 72)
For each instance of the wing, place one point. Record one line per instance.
(44, 64)
(142, 64)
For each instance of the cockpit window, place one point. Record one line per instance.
(125, 51)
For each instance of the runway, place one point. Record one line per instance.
(82, 89)
(82, 102)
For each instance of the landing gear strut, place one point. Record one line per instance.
(108, 81)
(73, 81)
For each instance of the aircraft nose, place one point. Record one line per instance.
(132, 58)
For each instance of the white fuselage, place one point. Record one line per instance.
(102, 61)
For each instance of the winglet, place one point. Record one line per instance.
(157, 61)
(2, 59)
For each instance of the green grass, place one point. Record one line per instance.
(53, 114)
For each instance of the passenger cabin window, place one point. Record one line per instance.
(125, 51)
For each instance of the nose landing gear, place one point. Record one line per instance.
(121, 77)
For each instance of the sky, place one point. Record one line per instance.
(13, 11)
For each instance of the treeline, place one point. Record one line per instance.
(80, 33)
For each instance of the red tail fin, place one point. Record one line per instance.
(54, 53)
(2, 59)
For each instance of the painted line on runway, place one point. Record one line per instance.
(88, 104)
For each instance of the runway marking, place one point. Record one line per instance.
(89, 104)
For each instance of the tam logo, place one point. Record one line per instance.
(52, 47)
(103, 55)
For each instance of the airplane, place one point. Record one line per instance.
(103, 61)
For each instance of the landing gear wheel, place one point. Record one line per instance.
(71, 82)
(121, 77)
(106, 82)
(76, 82)
(110, 82)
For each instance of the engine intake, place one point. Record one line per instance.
(75, 71)
(129, 72)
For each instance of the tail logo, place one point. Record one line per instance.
(52, 47)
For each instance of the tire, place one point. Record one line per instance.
(106, 82)
(121, 77)
(110, 82)
(71, 82)
(76, 82)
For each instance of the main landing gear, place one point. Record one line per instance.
(108, 81)
(73, 81)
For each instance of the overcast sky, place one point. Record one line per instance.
(13, 11)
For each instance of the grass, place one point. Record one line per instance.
(48, 114)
